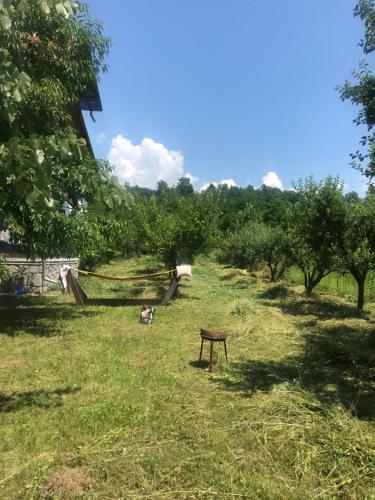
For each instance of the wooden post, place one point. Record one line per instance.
(170, 292)
(211, 356)
(82, 292)
(78, 293)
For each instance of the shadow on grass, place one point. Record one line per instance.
(41, 398)
(203, 364)
(158, 288)
(184, 296)
(35, 316)
(322, 309)
(335, 365)
(230, 275)
(275, 292)
(135, 291)
(242, 283)
(121, 302)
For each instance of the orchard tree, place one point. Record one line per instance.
(274, 247)
(51, 53)
(257, 243)
(177, 228)
(318, 217)
(357, 243)
(362, 92)
(238, 250)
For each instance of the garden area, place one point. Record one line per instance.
(94, 403)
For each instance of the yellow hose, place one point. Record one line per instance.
(124, 278)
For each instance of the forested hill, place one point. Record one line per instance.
(236, 204)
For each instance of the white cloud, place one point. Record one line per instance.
(146, 163)
(228, 182)
(191, 177)
(100, 138)
(271, 179)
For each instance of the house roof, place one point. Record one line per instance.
(90, 100)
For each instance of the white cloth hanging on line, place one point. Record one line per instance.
(63, 277)
(183, 270)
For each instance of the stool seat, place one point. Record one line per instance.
(213, 337)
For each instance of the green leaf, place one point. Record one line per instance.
(44, 7)
(5, 22)
(60, 9)
(16, 95)
(39, 153)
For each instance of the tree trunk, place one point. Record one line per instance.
(308, 283)
(275, 272)
(272, 273)
(311, 280)
(361, 295)
(360, 278)
(173, 263)
(280, 273)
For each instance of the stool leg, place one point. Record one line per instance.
(211, 356)
(200, 355)
(225, 348)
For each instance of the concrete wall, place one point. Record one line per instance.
(33, 273)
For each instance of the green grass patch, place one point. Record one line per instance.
(94, 403)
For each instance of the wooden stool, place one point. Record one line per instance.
(213, 337)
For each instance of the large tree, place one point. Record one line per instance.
(362, 91)
(51, 53)
(357, 243)
(176, 228)
(318, 218)
(255, 243)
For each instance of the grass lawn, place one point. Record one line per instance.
(94, 403)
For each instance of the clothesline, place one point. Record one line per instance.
(125, 278)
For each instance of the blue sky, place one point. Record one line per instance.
(228, 89)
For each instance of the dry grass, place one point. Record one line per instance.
(130, 406)
(69, 483)
(11, 363)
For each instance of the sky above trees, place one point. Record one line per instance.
(219, 91)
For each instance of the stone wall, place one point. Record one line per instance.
(35, 274)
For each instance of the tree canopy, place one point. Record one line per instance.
(362, 91)
(51, 54)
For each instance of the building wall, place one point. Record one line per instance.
(33, 273)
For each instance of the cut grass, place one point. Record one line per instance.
(129, 407)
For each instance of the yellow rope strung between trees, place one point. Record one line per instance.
(125, 278)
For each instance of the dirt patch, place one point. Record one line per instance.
(68, 483)
(12, 363)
